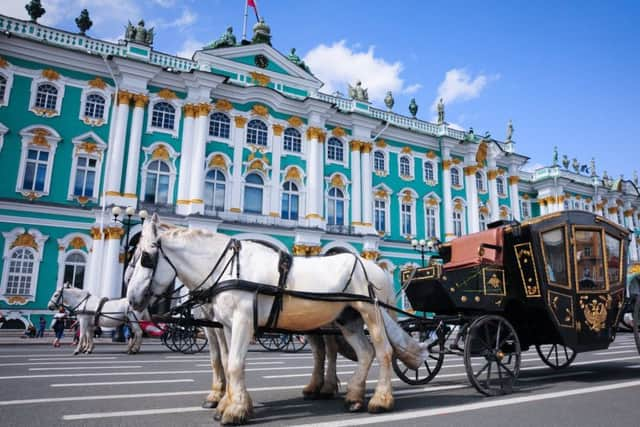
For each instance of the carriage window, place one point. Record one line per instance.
(613, 259)
(589, 260)
(554, 251)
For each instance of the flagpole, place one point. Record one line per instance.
(255, 9)
(246, 14)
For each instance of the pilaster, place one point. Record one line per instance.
(238, 147)
(514, 194)
(367, 187)
(473, 219)
(112, 274)
(315, 138)
(356, 187)
(276, 153)
(184, 176)
(446, 196)
(492, 174)
(133, 157)
(116, 146)
(196, 185)
(94, 268)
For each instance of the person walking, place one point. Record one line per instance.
(42, 325)
(58, 325)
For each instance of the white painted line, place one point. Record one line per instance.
(248, 363)
(269, 377)
(95, 415)
(103, 374)
(76, 358)
(546, 377)
(121, 383)
(428, 389)
(76, 363)
(75, 368)
(634, 366)
(107, 396)
(34, 354)
(447, 410)
(592, 362)
(606, 353)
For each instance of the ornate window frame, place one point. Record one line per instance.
(70, 244)
(286, 151)
(500, 180)
(246, 133)
(432, 201)
(54, 80)
(6, 71)
(220, 161)
(159, 151)
(460, 184)
(42, 138)
(13, 240)
(385, 159)
(265, 190)
(412, 172)
(155, 98)
(407, 196)
(459, 207)
(296, 175)
(525, 203)
(92, 146)
(434, 166)
(94, 90)
(211, 137)
(339, 181)
(383, 193)
(345, 152)
(481, 177)
(3, 131)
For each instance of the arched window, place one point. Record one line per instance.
(428, 171)
(253, 188)
(380, 215)
(457, 223)
(94, 106)
(3, 87)
(483, 222)
(335, 207)
(431, 221)
(455, 177)
(290, 200)
(257, 133)
(157, 183)
(21, 269)
(86, 168)
(74, 266)
(35, 170)
(219, 125)
(378, 161)
(525, 212)
(335, 150)
(163, 116)
(405, 166)
(292, 140)
(479, 181)
(500, 186)
(214, 188)
(46, 96)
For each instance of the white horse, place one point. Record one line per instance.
(200, 258)
(109, 314)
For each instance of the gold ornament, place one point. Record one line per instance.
(97, 83)
(262, 79)
(223, 105)
(50, 74)
(167, 94)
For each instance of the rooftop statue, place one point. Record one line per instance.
(225, 40)
(139, 34)
(576, 165)
(555, 156)
(296, 60)
(592, 166)
(261, 33)
(389, 101)
(358, 92)
(509, 131)
(440, 112)
(565, 161)
(635, 178)
(413, 107)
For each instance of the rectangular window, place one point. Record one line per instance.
(614, 259)
(380, 213)
(35, 170)
(457, 223)
(524, 209)
(554, 251)
(85, 176)
(430, 222)
(406, 219)
(589, 260)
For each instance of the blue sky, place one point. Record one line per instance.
(566, 72)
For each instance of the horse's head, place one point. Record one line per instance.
(56, 299)
(148, 274)
(65, 296)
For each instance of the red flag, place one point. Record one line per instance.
(252, 3)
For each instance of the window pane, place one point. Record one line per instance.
(613, 259)
(163, 189)
(77, 187)
(150, 190)
(253, 200)
(40, 177)
(589, 260)
(554, 247)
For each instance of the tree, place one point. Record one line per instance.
(35, 10)
(83, 21)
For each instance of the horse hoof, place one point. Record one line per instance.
(75, 353)
(325, 396)
(209, 405)
(354, 406)
(217, 416)
(309, 395)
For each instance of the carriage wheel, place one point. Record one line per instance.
(182, 338)
(636, 322)
(556, 356)
(430, 367)
(167, 339)
(198, 341)
(492, 355)
(273, 341)
(295, 343)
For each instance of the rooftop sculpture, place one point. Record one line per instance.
(358, 92)
(139, 34)
(225, 40)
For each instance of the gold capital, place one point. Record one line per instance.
(355, 144)
(140, 100)
(240, 121)
(492, 174)
(446, 164)
(366, 147)
(470, 170)
(316, 133)
(114, 233)
(189, 110)
(203, 109)
(124, 97)
(514, 179)
(96, 234)
(277, 129)
(372, 255)
(223, 105)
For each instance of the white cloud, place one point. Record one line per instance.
(189, 47)
(15, 9)
(164, 3)
(338, 65)
(181, 22)
(459, 85)
(532, 167)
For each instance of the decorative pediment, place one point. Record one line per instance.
(218, 161)
(160, 153)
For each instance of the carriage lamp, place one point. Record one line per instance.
(419, 246)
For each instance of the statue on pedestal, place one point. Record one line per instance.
(358, 92)
(225, 40)
(509, 131)
(139, 34)
(440, 112)
(296, 60)
(555, 156)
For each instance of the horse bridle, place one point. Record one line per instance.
(59, 302)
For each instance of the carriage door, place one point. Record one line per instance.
(593, 301)
(557, 272)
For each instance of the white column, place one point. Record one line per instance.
(612, 213)
(492, 174)
(236, 179)
(111, 273)
(473, 219)
(446, 197)
(95, 262)
(633, 248)
(196, 184)
(116, 146)
(315, 138)
(356, 188)
(367, 186)
(276, 153)
(133, 158)
(184, 175)
(514, 195)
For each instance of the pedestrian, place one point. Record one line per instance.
(42, 325)
(58, 326)
(30, 332)
(126, 331)
(2, 319)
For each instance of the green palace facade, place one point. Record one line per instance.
(242, 140)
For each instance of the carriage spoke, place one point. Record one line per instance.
(511, 374)
(488, 380)
(555, 349)
(486, 365)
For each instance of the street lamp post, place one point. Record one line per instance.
(419, 246)
(126, 223)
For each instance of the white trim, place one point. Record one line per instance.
(173, 170)
(227, 176)
(412, 172)
(345, 152)
(460, 184)
(413, 204)
(7, 72)
(98, 155)
(286, 152)
(346, 198)
(434, 165)
(9, 238)
(211, 138)
(52, 138)
(463, 216)
(385, 171)
(266, 185)
(267, 123)
(62, 256)
(505, 191)
(3, 132)
(434, 196)
(106, 94)
(176, 104)
(485, 182)
(58, 84)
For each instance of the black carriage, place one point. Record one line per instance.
(556, 282)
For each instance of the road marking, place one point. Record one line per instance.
(76, 363)
(188, 380)
(448, 410)
(269, 377)
(546, 377)
(96, 415)
(75, 368)
(606, 353)
(76, 358)
(103, 374)
(427, 389)
(107, 396)
(200, 365)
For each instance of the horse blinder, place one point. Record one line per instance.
(148, 260)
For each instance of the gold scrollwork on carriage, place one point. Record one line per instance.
(595, 310)
(493, 281)
(527, 267)
(562, 308)
(617, 304)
